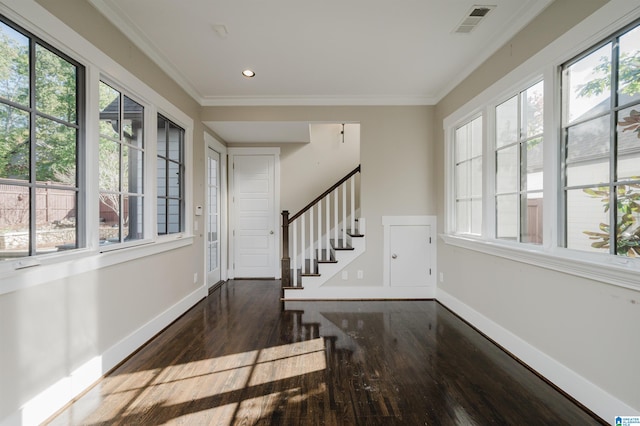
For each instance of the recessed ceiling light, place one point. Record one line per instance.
(248, 73)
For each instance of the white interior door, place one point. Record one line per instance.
(254, 210)
(410, 252)
(213, 217)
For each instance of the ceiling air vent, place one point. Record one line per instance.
(475, 15)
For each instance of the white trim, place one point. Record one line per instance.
(275, 152)
(615, 270)
(56, 396)
(212, 143)
(551, 154)
(590, 395)
(491, 209)
(449, 165)
(42, 270)
(387, 223)
(188, 176)
(360, 293)
(318, 101)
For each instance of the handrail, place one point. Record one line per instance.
(286, 220)
(324, 194)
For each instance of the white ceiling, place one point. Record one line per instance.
(267, 132)
(329, 52)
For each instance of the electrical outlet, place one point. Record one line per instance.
(345, 275)
(441, 277)
(195, 277)
(360, 274)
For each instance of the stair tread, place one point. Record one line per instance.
(340, 244)
(354, 233)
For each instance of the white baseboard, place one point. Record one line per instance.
(590, 395)
(359, 293)
(56, 396)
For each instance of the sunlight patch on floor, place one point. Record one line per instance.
(222, 390)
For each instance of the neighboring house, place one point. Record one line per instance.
(68, 318)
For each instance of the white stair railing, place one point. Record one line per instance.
(310, 236)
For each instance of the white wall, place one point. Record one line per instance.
(307, 170)
(398, 168)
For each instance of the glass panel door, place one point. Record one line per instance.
(213, 217)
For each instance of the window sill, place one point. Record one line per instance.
(32, 271)
(615, 270)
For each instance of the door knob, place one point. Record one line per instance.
(393, 256)
(271, 232)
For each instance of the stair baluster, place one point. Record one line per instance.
(335, 214)
(303, 246)
(319, 256)
(344, 212)
(353, 204)
(295, 255)
(328, 226)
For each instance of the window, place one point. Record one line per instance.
(170, 177)
(468, 177)
(591, 163)
(601, 147)
(519, 167)
(120, 169)
(41, 117)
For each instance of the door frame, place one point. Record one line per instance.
(275, 152)
(214, 144)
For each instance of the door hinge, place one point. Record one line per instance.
(429, 271)
(429, 240)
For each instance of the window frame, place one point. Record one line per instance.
(454, 164)
(612, 115)
(146, 223)
(521, 173)
(181, 178)
(31, 184)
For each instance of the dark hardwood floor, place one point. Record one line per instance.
(237, 358)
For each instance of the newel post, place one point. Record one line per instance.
(286, 260)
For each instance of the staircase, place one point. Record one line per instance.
(322, 238)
